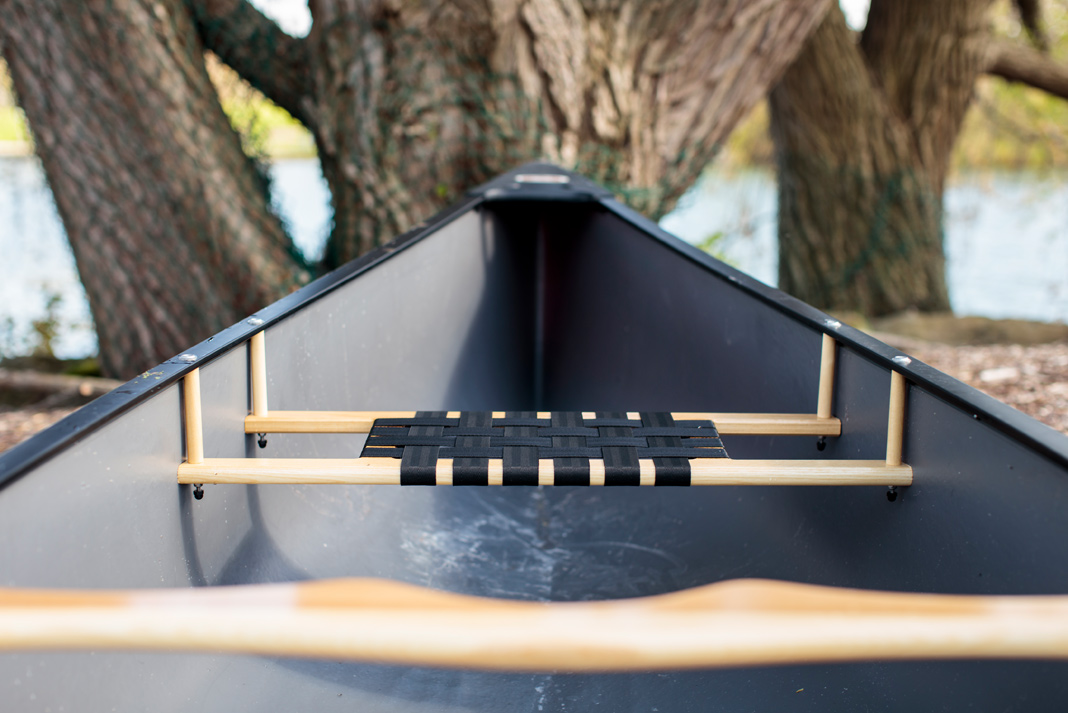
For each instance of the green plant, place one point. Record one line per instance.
(713, 245)
(47, 328)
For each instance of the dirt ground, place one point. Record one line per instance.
(17, 425)
(1031, 378)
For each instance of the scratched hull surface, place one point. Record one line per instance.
(547, 297)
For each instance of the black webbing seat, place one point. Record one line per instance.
(520, 439)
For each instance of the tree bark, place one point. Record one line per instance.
(256, 48)
(416, 101)
(863, 135)
(1018, 63)
(411, 102)
(926, 57)
(167, 218)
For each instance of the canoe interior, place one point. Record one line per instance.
(515, 304)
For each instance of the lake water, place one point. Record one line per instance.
(1006, 242)
(1006, 237)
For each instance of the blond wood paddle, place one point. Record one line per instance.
(735, 623)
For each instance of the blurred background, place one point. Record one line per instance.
(1003, 215)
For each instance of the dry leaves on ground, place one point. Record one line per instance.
(1033, 379)
(18, 425)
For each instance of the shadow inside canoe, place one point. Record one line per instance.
(545, 544)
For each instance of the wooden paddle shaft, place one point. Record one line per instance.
(743, 622)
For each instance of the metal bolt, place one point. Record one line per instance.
(186, 358)
(254, 321)
(901, 360)
(832, 323)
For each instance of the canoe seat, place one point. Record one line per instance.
(612, 443)
(540, 448)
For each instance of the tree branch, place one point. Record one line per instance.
(1030, 13)
(257, 49)
(1018, 63)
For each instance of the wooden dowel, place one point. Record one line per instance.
(728, 471)
(728, 424)
(319, 421)
(895, 429)
(826, 393)
(386, 471)
(733, 623)
(194, 423)
(258, 368)
(769, 424)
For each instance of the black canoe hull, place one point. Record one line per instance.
(535, 297)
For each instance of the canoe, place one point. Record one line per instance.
(541, 335)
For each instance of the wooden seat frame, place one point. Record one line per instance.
(704, 471)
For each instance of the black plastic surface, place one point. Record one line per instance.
(518, 301)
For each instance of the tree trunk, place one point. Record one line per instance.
(863, 135)
(415, 101)
(167, 218)
(859, 221)
(411, 102)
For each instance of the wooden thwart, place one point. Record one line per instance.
(728, 424)
(261, 420)
(703, 471)
(386, 471)
(734, 623)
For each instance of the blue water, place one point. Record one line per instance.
(1006, 242)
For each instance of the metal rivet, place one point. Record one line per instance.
(901, 360)
(832, 323)
(186, 358)
(254, 321)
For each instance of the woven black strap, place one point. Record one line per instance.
(520, 439)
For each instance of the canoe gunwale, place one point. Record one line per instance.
(96, 414)
(1038, 436)
(24, 457)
